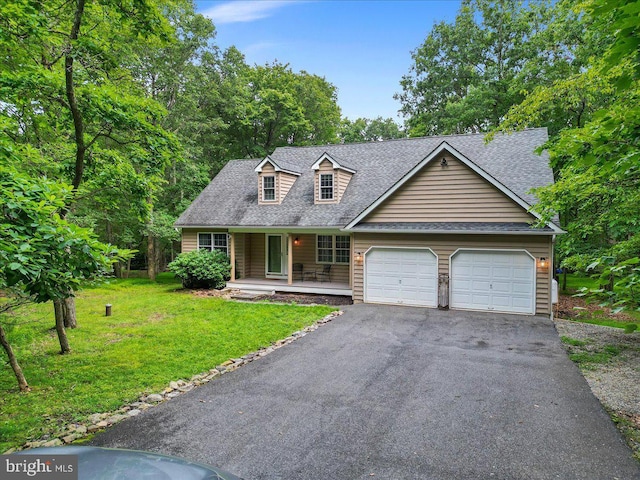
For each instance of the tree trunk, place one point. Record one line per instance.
(564, 279)
(151, 257)
(59, 307)
(70, 320)
(151, 250)
(13, 361)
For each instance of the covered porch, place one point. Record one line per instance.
(289, 262)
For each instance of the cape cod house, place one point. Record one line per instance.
(387, 222)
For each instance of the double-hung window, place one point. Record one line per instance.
(343, 248)
(333, 249)
(326, 186)
(213, 241)
(268, 188)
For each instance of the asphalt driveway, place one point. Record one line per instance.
(396, 393)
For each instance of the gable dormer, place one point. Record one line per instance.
(331, 179)
(274, 181)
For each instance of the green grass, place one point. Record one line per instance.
(157, 333)
(576, 281)
(574, 342)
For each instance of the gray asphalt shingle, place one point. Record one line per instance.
(231, 199)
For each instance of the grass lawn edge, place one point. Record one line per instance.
(81, 432)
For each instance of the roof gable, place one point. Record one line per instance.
(440, 154)
(336, 165)
(446, 190)
(279, 167)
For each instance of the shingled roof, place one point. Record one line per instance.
(231, 199)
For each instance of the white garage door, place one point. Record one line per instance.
(496, 281)
(405, 276)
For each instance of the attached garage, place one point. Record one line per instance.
(493, 280)
(406, 276)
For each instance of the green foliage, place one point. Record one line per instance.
(41, 253)
(155, 335)
(467, 74)
(369, 130)
(597, 159)
(202, 269)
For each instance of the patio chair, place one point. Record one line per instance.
(324, 275)
(297, 271)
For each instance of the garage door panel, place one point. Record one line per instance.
(479, 271)
(522, 273)
(522, 288)
(404, 276)
(492, 280)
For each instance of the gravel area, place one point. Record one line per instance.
(616, 382)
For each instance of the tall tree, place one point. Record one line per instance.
(267, 106)
(467, 74)
(369, 130)
(598, 190)
(66, 77)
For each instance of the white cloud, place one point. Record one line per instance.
(243, 10)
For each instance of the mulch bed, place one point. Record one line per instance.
(570, 307)
(280, 297)
(305, 299)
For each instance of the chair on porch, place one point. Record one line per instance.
(297, 271)
(324, 274)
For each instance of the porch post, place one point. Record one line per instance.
(232, 256)
(290, 259)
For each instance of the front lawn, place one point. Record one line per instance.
(157, 333)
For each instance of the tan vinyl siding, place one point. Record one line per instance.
(325, 167)
(342, 178)
(285, 182)
(305, 253)
(453, 193)
(445, 245)
(256, 255)
(189, 240)
(241, 256)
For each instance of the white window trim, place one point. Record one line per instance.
(333, 249)
(212, 246)
(275, 197)
(320, 187)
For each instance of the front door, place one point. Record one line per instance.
(276, 256)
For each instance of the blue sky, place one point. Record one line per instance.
(362, 47)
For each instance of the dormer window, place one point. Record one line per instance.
(269, 188)
(274, 180)
(331, 179)
(326, 186)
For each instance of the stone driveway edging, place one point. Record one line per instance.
(100, 421)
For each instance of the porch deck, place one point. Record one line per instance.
(263, 285)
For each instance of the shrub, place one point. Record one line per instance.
(202, 269)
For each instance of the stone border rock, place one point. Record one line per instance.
(100, 421)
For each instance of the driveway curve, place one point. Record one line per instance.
(396, 393)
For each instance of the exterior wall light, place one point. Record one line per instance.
(296, 241)
(543, 262)
(358, 257)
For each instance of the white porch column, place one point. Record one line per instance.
(232, 248)
(290, 259)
